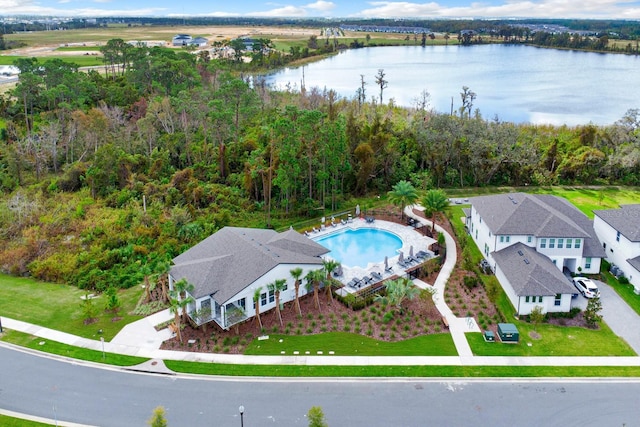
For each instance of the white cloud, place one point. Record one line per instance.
(285, 11)
(594, 9)
(321, 6)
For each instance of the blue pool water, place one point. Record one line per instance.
(357, 248)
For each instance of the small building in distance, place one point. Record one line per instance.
(181, 40)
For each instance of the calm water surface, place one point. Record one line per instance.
(514, 83)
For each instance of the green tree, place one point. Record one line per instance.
(434, 201)
(112, 303)
(402, 194)
(592, 313)
(157, 419)
(329, 265)
(178, 305)
(396, 292)
(296, 273)
(316, 417)
(256, 303)
(182, 287)
(89, 310)
(536, 316)
(276, 287)
(314, 277)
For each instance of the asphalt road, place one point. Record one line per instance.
(84, 394)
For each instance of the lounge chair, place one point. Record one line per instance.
(353, 283)
(389, 269)
(367, 279)
(422, 254)
(343, 222)
(315, 230)
(306, 233)
(376, 276)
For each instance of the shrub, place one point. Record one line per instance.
(388, 316)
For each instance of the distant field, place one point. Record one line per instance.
(81, 60)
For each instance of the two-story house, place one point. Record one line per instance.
(530, 240)
(619, 233)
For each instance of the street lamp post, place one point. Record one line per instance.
(241, 409)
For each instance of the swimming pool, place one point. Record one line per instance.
(357, 248)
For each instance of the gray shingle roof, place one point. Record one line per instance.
(531, 273)
(626, 220)
(228, 261)
(635, 262)
(538, 215)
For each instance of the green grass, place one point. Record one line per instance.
(6, 421)
(80, 60)
(554, 341)
(59, 307)
(78, 48)
(53, 347)
(346, 344)
(401, 371)
(626, 292)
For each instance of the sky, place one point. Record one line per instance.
(588, 9)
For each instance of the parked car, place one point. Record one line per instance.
(586, 287)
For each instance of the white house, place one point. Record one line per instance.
(540, 236)
(227, 267)
(619, 232)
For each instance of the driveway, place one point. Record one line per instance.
(622, 320)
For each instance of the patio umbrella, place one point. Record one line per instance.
(386, 263)
(401, 257)
(357, 210)
(411, 251)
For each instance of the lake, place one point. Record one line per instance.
(514, 83)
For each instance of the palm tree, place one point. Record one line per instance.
(182, 287)
(403, 193)
(256, 303)
(434, 201)
(329, 265)
(177, 305)
(276, 287)
(397, 291)
(314, 277)
(163, 270)
(296, 273)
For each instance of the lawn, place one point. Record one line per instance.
(80, 60)
(401, 371)
(59, 307)
(626, 292)
(6, 421)
(53, 347)
(347, 344)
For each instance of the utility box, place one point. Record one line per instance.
(508, 332)
(489, 336)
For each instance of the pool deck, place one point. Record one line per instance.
(407, 233)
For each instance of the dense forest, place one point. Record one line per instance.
(107, 176)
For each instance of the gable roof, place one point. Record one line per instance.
(531, 273)
(539, 215)
(626, 220)
(226, 262)
(635, 262)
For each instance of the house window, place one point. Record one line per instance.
(543, 243)
(263, 299)
(476, 234)
(558, 299)
(242, 303)
(560, 242)
(272, 296)
(508, 238)
(587, 263)
(540, 299)
(552, 243)
(618, 236)
(526, 299)
(529, 239)
(569, 241)
(577, 245)
(501, 239)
